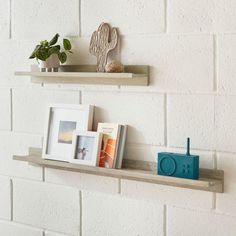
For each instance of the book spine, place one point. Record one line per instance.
(121, 146)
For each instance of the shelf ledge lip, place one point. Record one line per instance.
(134, 75)
(214, 182)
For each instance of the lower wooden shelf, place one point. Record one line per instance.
(210, 180)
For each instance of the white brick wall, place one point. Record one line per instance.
(34, 103)
(132, 17)
(39, 19)
(216, 16)
(15, 229)
(5, 103)
(82, 181)
(186, 116)
(226, 58)
(225, 118)
(48, 233)
(54, 207)
(4, 19)
(11, 144)
(177, 62)
(167, 195)
(131, 109)
(187, 222)
(5, 198)
(190, 47)
(116, 216)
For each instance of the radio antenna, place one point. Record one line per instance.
(188, 147)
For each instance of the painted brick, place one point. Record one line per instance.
(113, 215)
(177, 62)
(14, 229)
(5, 198)
(30, 107)
(226, 63)
(191, 116)
(18, 144)
(186, 222)
(10, 63)
(44, 18)
(49, 233)
(5, 20)
(201, 16)
(132, 17)
(82, 181)
(225, 120)
(49, 206)
(5, 104)
(131, 109)
(162, 194)
(81, 55)
(226, 202)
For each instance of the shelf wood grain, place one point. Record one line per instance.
(210, 180)
(86, 74)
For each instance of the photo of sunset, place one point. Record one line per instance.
(65, 133)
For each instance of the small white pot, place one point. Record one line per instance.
(50, 65)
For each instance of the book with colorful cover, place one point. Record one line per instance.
(121, 146)
(110, 142)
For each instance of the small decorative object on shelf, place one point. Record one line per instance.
(49, 55)
(179, 165)
(113, 144)
(86, 148)
(114, 67)
(62, 120)
(102, 42)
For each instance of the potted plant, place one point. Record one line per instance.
(49, 54)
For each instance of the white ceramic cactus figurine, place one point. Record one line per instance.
(102, 42)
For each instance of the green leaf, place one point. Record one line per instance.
(53, 50)
(62, 57)
(58, 46)
(44, 43)
(67, 44)
(42, 54)
(54, 40)
(35, 50)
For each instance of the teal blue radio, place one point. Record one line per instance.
(178, 165)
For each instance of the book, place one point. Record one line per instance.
(110, 142)
(121, 146)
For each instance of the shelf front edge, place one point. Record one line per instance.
(212, 185)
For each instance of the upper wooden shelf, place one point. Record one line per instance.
(210, 180)
(86, 74)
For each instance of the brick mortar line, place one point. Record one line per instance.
(11, 198)
(166, 16)
(165, 221)
(119, 186)
(80, 18)
(165, 121)
(81, 214)
(215, 63)
(10, 19)
(11, 108)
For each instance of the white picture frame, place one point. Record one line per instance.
(86, 148)
(62, 120)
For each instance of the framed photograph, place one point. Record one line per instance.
(62, 120)
(86, 148)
